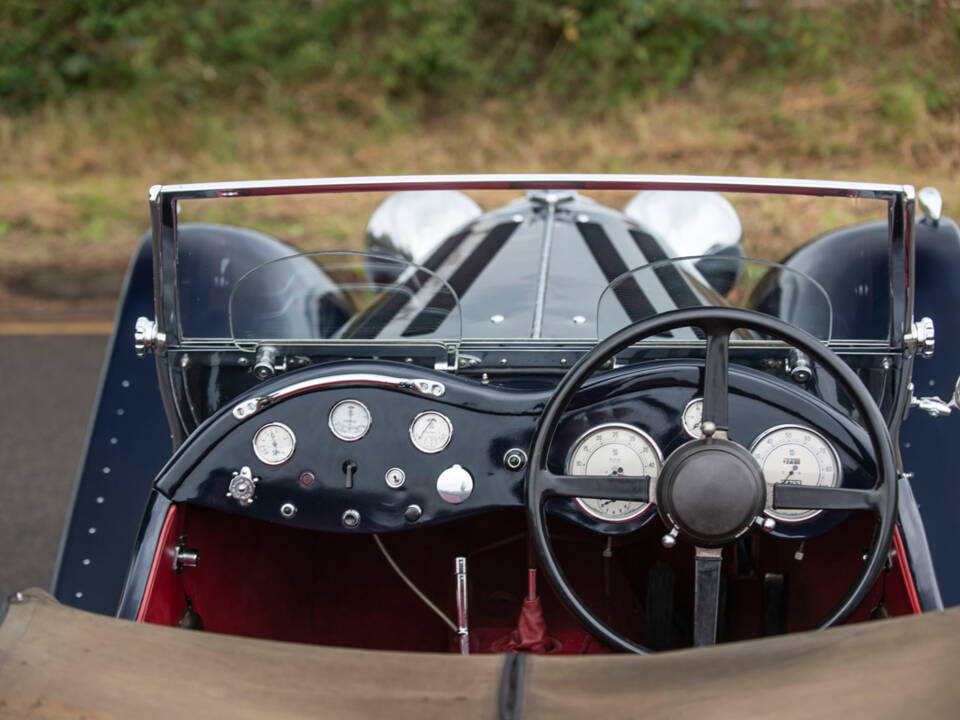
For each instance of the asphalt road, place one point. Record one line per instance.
(49, 386)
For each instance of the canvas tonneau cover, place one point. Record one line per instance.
(56, 661)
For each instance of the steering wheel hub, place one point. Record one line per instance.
(711, 491)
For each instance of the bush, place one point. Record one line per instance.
(587, 52)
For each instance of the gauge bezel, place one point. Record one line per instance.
(645, 506)
(446, 420)
(293, 444)
(338, 435)
(683, 415)
(813, 512)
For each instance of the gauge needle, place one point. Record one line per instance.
(426, 428)
(792, 470)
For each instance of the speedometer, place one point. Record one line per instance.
(795, 455)
(616, 450)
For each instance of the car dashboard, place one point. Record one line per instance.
(381, 446)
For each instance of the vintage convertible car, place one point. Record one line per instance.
(550, 427)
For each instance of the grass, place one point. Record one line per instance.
(73, 185)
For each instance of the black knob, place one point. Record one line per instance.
(412, 513)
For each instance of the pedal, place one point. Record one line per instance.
(774, 604)
(658, 628)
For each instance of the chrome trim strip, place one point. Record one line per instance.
(250, 407)
(534, 181)
(546, 249)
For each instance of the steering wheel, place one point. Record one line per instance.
(710, 491)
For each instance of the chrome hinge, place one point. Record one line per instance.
(935, 406)
(922, 337)
(147, 337)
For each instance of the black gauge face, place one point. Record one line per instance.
(274, 443)
(796, 455)
(614, 449)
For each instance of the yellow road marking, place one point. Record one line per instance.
(90, 327)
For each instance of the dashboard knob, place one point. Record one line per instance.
(455, 484)
(413, 513)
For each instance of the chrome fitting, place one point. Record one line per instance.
(243, 486)
(184, 556)
(146, 337)
(922, 337)
(766, 524)
(669, 541)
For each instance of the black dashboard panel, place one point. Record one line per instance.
(487, 421)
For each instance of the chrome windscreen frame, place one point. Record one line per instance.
(164, 199)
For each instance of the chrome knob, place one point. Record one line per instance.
(669, 541)
(243, 486)
(708, 428)
(146, 337)
(350, 518)
(766, 524)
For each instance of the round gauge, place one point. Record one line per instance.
(349, 420)
(273, 444)
(431, 431)
(614, 449)
(692, 418)
(796, 455)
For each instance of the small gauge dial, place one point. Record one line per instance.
(614, 449)
(796, 455)
(431, 431)
(693, 417)
(273, 444)
(349, 420)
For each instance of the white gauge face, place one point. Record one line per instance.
(431, 431)
(796, 455)
(273, 444)
(615, 450)
(693, 417)
(349, 420)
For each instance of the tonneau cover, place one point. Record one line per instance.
(56, 661)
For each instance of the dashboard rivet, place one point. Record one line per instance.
(288, 510)
(350, 518)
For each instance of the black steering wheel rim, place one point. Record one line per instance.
(710, 318)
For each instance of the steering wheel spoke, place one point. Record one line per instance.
(706, 595)
(715, 375)
(812, 497)
(599, 487)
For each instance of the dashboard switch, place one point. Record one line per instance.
(349, 468)
(412, 513)
(351, 518)
(455, 484)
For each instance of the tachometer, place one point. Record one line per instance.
(273, 444)
(614, 449)
(349, 420)
(796, 455)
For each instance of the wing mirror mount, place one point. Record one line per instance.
(931, 204)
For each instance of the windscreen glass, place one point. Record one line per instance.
(342, 296)
(715, 281)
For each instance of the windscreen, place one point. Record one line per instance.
(714, 281)
(346, 296)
